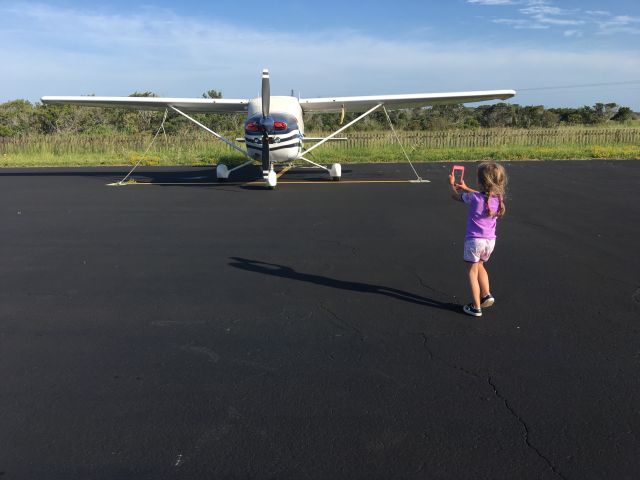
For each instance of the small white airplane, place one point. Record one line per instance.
(274, 129)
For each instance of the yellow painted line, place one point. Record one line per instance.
(284, 170)
(302, 182)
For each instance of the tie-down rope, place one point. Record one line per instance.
(164, 118)
(418, 178)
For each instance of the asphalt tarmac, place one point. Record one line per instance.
(200, 331)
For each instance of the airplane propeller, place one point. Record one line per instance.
(266, 94)
(266, 123)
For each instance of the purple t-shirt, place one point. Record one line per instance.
(479, 223)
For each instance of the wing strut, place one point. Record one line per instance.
(218, 136)
(368, 112)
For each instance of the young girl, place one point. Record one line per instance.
(485, 208)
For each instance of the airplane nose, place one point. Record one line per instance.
(267, 124)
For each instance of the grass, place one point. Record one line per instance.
(197, 148)
(506, 152)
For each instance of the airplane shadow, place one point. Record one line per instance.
(191, 176)
(288, 272)
(153, 174)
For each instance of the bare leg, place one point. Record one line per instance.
(483, 280)
(473, 282)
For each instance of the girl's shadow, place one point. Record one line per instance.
(288, 272)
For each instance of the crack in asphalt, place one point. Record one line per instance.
(429, 286)
(620, 414)
(354, 250)
(498, 395)
(525, 427)
(201, 350)
(633, 432)
(343, 324)
(450, 365)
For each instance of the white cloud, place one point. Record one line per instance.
(542, 14)
(620, 24)
(491, 2)
(539, 9)
(556, 21)
(521, 24)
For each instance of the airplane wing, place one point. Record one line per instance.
(203, 105)
(396, 102)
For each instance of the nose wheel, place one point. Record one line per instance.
(270, 178)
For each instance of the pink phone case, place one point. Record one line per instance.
(460, 168)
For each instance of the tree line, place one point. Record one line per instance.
(21, 117)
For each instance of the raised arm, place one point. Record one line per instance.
(458, 188)
(455, 192)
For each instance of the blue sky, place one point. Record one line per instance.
(324, 49)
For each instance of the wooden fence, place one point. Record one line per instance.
(494, 138)
(411, 140)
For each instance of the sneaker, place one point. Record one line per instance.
(469, 309)
(487, 301)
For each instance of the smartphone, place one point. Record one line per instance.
(458, 173)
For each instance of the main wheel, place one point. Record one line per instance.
(335, 172)
(222, 172)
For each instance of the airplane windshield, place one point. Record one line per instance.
(282, 122)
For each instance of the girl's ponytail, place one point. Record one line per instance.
(487, 197)
(502, 209)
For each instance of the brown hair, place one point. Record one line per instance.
(493, 179)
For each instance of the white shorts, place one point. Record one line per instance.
(478, 249)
